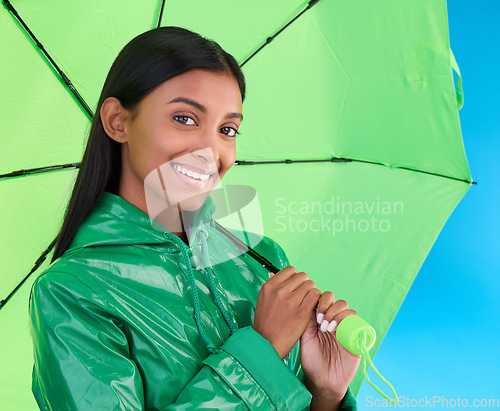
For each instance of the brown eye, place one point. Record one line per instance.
(184, 120)
(229, 131)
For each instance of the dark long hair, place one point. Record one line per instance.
(144, 63)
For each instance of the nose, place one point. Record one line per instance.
(207, 147)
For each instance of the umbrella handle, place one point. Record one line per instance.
(358, 337)
(349, 334)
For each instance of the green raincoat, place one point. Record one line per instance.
(114, 325)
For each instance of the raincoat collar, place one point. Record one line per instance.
(114, 221)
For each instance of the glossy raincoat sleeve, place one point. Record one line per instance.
(81, 356)
(248, 373)
(349, 401)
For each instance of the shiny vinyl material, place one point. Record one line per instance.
(114, 323)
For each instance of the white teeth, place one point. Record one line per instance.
(190, 173)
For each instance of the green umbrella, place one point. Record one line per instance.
(351, 137)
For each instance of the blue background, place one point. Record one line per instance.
(444, 340)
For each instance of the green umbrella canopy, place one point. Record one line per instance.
(369, 84)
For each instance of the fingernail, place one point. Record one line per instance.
(332, 325)
(320, 317)
(324, 325)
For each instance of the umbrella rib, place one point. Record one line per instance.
(38, 263)
(347, 160)
(21, 173)
(161, 13)
(63, 76)
(269, 39)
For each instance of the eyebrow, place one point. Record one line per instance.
(201, 107)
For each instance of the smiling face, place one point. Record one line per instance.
(181, 137)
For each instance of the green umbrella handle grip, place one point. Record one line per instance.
(349, 334)
(358, 337)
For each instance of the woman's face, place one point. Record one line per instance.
(186, 125)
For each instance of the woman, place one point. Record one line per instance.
(126, 317)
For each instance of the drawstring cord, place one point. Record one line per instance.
(218, 301)
(366, 357)
(210, 345)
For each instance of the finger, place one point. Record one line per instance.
(311, 299)
(296, 281)
(283, 275)
(302, 291)
(331, 317)
(325, 301)
(338, 318)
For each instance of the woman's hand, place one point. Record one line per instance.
(329, 368)
(284, 307)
